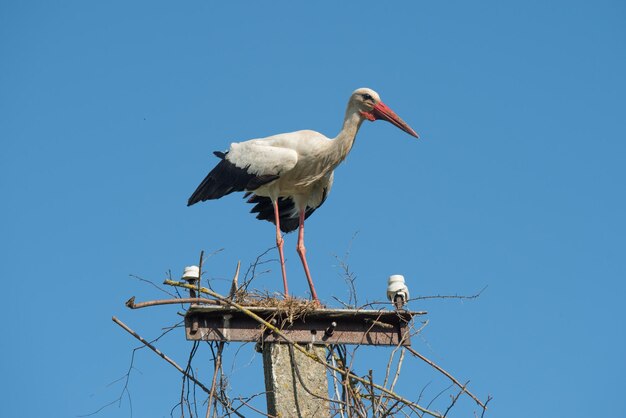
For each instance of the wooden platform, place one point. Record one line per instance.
(320, 326)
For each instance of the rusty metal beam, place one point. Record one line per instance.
(321, 326)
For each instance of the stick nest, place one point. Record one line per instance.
(289, 308)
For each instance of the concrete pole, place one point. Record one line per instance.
(292, 381)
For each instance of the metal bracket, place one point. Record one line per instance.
(320, 326)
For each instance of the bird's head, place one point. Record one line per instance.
(369, 105)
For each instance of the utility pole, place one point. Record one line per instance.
(303, 347)
(296, 385)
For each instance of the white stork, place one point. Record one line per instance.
(289, 175)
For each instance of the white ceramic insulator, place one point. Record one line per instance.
(191, 272)
(396, 286)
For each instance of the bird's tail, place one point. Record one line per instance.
(264, 208)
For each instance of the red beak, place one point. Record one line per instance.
(382, 111)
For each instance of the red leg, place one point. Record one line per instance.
(302, 253)
(280, 243)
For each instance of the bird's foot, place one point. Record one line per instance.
(316, 304)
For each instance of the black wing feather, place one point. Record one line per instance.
(226, 178)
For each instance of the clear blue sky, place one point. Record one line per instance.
(109, 112)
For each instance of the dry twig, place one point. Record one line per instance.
(159, 353)
(218, 365)
(448, 375)
(130, 303)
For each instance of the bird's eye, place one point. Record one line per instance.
(367, 97)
